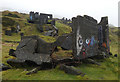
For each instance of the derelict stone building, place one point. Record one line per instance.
(32, 17)
(41, 19)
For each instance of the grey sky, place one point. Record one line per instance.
(66, 8)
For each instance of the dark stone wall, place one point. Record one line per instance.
(32, 16)
(85, 37)
(36, 15)
(105, 30)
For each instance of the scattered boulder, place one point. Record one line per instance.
(4, 67)
(21, 34)
(110, 53)
(16, 62)
(35, 70)
(11, 52)
(71, 70)
(8, 32)
(115, 55)
(49, 33)
(91, 61)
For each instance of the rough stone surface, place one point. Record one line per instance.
(44, 47)
(84, 37)
(27, 45)
(91, 61)
(16, 62)
(32, 48)
(67, 43)
(64, 41)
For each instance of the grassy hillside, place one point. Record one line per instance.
(28, 28)
(107, 71)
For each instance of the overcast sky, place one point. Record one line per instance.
(66, 8)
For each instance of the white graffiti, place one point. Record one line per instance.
(87, 41)
(79, 42)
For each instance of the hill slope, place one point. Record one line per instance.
(107, 71)
(28, 28)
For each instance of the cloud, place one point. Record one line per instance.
(67, 8)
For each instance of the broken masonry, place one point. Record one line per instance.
(88, 39)
(41, 20)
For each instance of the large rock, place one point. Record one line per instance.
(16, 62)
(27, 45)
(65, 41)
(32, 49)
(4, 67)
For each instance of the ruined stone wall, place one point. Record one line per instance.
(105, 30)
(32, 16)
(36, 15)
(85, 36)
